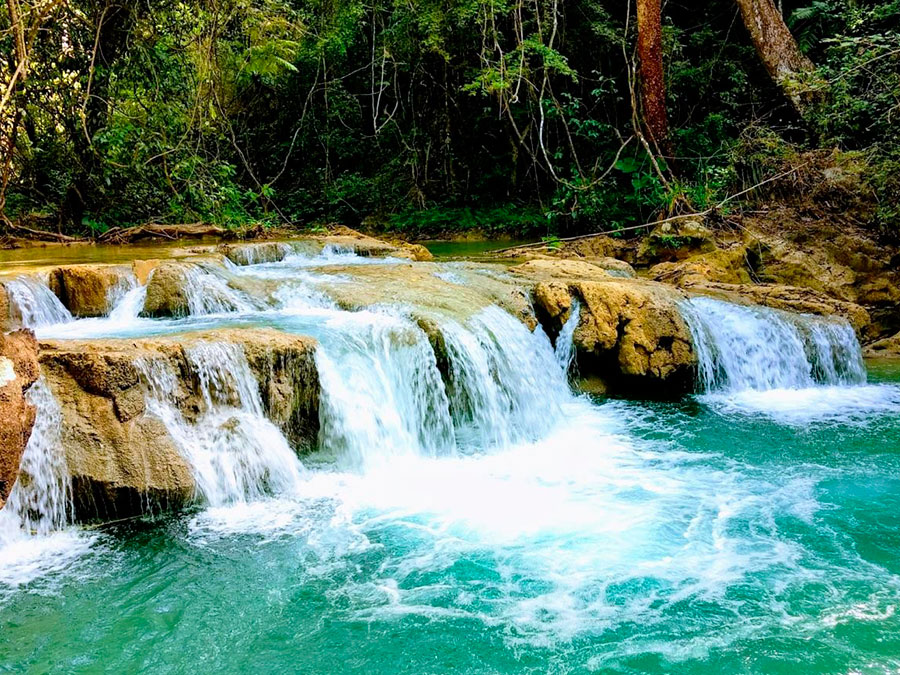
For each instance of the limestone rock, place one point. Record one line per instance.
(676, 240)
(121, 458)
(166, 295)
(630, 332)
(254, 253)
(18, 371)
(87, 290)
(7, 321)
(728, 266)
(546, 269)
(885, 348)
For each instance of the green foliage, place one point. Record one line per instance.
(434, 116)
(508, 219)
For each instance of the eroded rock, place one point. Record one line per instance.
(89, 290)
(630, 332)
(18, 371)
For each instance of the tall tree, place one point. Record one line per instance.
(778, 50)
(650, 63)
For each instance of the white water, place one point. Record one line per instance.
(382, 394)
(505, 382)
(503, 464)
(235, 453)
(755, 348)
(33, 538)
(565, 346)
(35, 303)
(794, 367)
(208, 293)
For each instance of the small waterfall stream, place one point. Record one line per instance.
(35, 303)
(235, 452)
(742, 348)
(41, 500)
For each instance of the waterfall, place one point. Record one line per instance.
(382, 393)
(505, 382)
(127, 307)
(741, 348)
(41, 500)
(383, 396)
(565, 345)
(208, 293)
(235, 453)
(36, 303)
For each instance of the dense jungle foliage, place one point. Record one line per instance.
(424, 116)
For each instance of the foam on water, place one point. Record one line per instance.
(235, 452)
(35, 303)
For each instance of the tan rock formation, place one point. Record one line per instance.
(87, 290)
(630, 330)
(252, 253)
(18, 371)
(727, 266)
(676, 240)
(885, 348)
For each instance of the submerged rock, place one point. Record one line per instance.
(18, 371)
(122, 458)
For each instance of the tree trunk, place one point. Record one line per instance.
(778, 50)
(652, 83)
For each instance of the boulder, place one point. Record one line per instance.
(18, 371)
(254, 253)
(90, 290)
(630, 332)
(166, 291)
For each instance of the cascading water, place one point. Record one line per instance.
(755, 348)
(382, 393)
(236, 454)
(565, 346)
(506, 383)
(35, 303)
(41, 500)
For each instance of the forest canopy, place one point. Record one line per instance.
(427, 115)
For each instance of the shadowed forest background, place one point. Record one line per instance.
(517, 116)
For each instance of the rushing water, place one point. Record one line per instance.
(490, 521)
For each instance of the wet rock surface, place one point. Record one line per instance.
(630, 331)
(18, 371)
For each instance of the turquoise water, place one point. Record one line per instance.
(641, 538)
